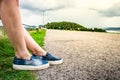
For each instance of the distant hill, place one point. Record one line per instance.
(29, 26)
(64, 26)
(41, 25)
(71, 26)
(113, 28)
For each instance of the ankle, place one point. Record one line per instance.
(40, 53)
(23, 56)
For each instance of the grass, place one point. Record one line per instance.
(38, 36)
(6, 57)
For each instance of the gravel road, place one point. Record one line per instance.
(87, 56)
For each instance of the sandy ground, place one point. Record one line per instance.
(87, 56)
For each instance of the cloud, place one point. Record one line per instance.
(39, 6)
(113, 11)
(101, 13)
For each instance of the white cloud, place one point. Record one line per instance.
(70, 10)
(113, 11)
(40, 5)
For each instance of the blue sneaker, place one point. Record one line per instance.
(52, 60)
(34, 63)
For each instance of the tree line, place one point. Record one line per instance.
(71, 26)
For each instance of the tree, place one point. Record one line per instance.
(70, 26)
(64, 25)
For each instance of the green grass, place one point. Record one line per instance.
(38, 36)
(6, 57)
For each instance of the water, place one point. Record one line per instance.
(113, 31)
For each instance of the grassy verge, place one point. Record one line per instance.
(6, 57)
(38, 36)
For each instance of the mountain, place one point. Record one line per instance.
(29, 26)
(113, 28)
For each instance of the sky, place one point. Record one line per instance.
(89, 13)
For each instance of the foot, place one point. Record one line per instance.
(51, 59)
(35, 63)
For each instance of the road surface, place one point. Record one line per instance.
(87, 56)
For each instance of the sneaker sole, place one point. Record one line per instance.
(22, 67)
(56, 62)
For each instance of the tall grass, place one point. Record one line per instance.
(6, 57)
(38, 36)
(5, 47)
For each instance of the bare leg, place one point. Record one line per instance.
(32, 45)
(0, 9)
(11, 19)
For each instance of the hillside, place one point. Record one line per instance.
(70, 26)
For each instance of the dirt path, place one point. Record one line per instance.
(87, 56)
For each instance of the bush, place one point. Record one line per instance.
(71, 26)
(99, 30)
(64, 26)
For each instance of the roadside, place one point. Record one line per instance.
(6, 57)
(87, 56)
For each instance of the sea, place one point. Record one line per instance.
(113, 29)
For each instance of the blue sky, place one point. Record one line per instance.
(89, 13)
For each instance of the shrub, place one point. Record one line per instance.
(71, 26)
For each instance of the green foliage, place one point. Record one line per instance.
(99, 30)
(2, 31)
(38, 36)
(6, 48)
(6, 57)
(64, 26)
(70, 26)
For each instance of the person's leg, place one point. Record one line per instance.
(0, 9)
(19, 36)
(32, 45)
(11, 20)
(37, 50)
